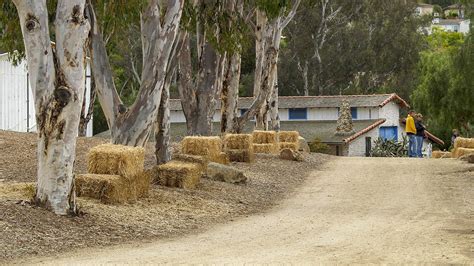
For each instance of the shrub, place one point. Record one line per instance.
(317, 146)
(389, 148)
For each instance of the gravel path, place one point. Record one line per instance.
(356, 210)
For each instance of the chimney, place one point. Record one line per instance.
(344, 122)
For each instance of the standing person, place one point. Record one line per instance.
(420, 134)
(410, 130)
(454, 136)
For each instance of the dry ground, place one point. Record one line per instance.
(355, 210)
(26, 231)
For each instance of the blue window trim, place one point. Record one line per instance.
(383, 135)
(354, 112)
(291, 116)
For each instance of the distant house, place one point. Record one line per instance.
(424, 9)
(17, 108)
(374, 116)
(452, 25)
(456, 9)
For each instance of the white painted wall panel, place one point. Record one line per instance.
(17, 108)
(391, 112)
(357, 147)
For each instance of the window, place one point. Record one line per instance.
(354, 112)
(387, 133)
(298, 113)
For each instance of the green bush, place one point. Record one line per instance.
(389, 148)
(317, 146)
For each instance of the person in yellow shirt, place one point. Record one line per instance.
(410, 130)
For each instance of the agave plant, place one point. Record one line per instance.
(389, 148)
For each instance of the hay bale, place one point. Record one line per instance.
(288, 136)
(447, 155)
(209, 147)
(438, 154)
(464, 143)
(270, 148)
(264, 137)
(458, 152)
(106, 188)
(199, 160)
(142, 184)
(246, 156)
(288, 145)
(238, 141)
(177, 174)
(110, 159)
(223, 158)
(224, 173)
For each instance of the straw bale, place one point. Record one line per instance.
(458, 152)
(106, 188)
(265, 148)
(200, 160)
(142, 184)
(177, 174)
(438, 154)
(223, 158)
(264, 137)
(238, 141)
(110, 159)
(246, 156)
(288, 145)
(447, 155)
(209, 147)
(288, 136)
(464, 143)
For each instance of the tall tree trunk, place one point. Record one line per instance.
(230, 93)
(57, 78)
(159, 30)
(268, 36)
(186, 84)
(275, 118)
(87, 111)
(162, 126)
(206, 87)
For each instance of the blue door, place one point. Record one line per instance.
(389, 133)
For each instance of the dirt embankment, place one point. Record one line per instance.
(27, 231)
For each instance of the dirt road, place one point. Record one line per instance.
(364, 210)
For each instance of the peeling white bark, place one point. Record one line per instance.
(57, 78)
(159, 32)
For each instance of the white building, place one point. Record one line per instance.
(373, 116)
(452, 25)
(17, 107)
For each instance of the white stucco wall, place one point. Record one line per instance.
(391, 112)
(17, 105)
(357, 146)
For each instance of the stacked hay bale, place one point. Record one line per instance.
(239, 147)
(289, 140)
(115, 174)
(463, 146)
(184, 171)
(440, 154)
(265, 142)
(208, 147)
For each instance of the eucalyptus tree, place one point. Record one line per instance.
(270, 20)
(159, 29)
(57, 77)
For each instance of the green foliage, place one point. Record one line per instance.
(446, 78)
(389, 148)
(273, 8)
(371, 46)
(317, 146)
